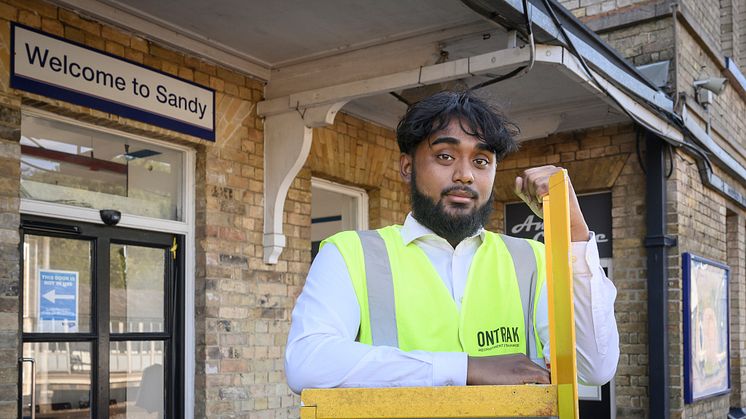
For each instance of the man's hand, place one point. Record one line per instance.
(533, 185)
(504, 369)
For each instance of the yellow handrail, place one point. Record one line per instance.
(559, 287)
(557, 399)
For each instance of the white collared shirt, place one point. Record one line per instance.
(321, 349)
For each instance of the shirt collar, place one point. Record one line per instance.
(413, 230)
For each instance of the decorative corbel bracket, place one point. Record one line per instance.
(287, 142)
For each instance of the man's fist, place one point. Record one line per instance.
(504, 369)
(533, 185)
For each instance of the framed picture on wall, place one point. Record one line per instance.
(706, 328)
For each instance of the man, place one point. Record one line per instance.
(439, 300)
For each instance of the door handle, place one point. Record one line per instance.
(33, 384)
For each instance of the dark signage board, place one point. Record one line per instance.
(520, 221)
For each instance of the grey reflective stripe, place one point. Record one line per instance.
(380, 284)
(524, 262)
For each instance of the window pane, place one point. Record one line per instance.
(74, 165)
(63, 379)
(137, 288)
(56, 285)
(136, 380)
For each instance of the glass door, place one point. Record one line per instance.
(101, 321)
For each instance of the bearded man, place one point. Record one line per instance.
(439, 300)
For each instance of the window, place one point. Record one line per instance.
(335, 208)
(80, 166)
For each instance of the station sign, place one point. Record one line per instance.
(520, 221)
(51, 66)
(58, 301)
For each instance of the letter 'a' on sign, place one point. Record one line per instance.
(51, 66)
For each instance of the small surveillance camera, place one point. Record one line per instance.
(110, 217)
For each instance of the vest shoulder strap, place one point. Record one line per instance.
(380, 285)
(524, 263)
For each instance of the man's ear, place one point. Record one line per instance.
(406, 163)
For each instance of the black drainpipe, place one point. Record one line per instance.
(656, 243)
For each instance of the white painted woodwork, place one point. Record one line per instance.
(177, 38)
(287, 142)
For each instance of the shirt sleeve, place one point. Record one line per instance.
(596, 334)
(321, 350)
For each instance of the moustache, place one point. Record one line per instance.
(463, 189)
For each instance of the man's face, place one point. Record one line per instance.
(451, 177)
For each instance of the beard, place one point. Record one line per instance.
(452, 227)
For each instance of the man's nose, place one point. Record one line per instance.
(463, 173)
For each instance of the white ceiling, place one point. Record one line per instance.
(275, 33)
(302, 45)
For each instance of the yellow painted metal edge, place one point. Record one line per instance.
(308, 412)
(560, 293)
(433, 402)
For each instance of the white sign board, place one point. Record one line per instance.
(54, 67)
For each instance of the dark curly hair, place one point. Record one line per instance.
(477, 117)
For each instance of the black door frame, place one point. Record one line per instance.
(101, 237)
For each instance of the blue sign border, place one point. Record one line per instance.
(72, 96)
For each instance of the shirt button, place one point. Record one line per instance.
(449, 382)
(574, 259)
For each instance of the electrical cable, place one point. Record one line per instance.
(583, 64)
(532, 54)
(638, 132)
(520, 71)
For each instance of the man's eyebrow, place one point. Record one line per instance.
(446, 140)
(481, 146)
(485, 147)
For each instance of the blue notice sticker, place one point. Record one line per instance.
(58, 300)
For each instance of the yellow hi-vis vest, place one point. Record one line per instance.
(405, 304)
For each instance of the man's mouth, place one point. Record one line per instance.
(460, 196)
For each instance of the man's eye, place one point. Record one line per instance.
(444, 157)
(481, 162)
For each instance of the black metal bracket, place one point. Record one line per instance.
(661, 241)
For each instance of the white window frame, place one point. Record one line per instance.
(359, 194)
(185, 228)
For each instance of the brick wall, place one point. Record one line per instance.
(10, 169)
(739, 39)
(583, 8)
(725, 127)
(640, 30)
(700, 225)
(729, 29)
(707, 15)
(242, 305)
(359, 153)
(644, 43)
